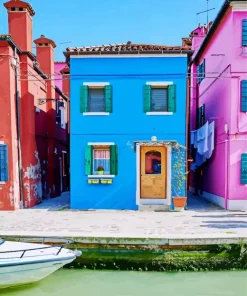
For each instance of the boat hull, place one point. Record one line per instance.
(23, 274)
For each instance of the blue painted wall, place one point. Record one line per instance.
(127, 123)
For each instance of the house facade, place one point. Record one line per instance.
(219, 96)
(33, 131)
(128, 112)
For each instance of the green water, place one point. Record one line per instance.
(128, 283)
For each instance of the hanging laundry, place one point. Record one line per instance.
(211, 128)
(202, 142)
(193, 137)
(202, 139)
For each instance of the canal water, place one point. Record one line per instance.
(128, 283)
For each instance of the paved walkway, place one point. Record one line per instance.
(193, 224)
(55, 204)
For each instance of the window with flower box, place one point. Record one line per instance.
(101, 160)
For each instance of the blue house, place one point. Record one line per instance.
(128, 108)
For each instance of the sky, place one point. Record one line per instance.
(96, 22)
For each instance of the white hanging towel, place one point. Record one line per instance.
(202, 139)
(211, 132)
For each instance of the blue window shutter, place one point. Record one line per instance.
(243, 176)
(172, 98)
(244, 96)
(84, 99)
(88, 159)
(244, 32)
(108, 98)
(198, 73)
(146, 98)
(203, 70)
(3, 163)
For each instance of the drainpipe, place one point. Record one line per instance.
(17, 103)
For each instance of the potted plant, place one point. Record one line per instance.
(100, 170)
(179, 178)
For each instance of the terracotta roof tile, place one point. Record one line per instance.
(126, 47)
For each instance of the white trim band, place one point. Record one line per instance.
(96, 83)
(101, 176)
(101, 143)
(159, 83)
(159, 113)
(96, 113)
(119, 56)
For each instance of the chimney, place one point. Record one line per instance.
(20, 15)
(45, 57)
(66, 90)
(66, 80)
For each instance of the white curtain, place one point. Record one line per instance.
(101, 158)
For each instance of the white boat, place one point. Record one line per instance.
(25, 263)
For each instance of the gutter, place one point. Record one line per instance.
(57, 89)
(17, 102)
(40, 72)
(8, 39)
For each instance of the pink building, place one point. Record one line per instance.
(218, 93)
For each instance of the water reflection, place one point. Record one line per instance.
(127, 283)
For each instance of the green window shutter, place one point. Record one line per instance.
(88, 159)
(84, 99)
(244, 96)
(114, 159)
(243, 176)
(244, 32)
(108, 98)
(146, 98)
(172, 98)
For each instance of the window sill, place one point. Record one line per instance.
(2, 182)
(101, 176)
(96, 114)
(159, 113)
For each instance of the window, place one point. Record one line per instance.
(200, 120)
(244, 96)
(96, 99)
(153, 162)
(159, 99)
(244, 32)
(243, 176)
(101, 160)
(201, 72)
(3, 163)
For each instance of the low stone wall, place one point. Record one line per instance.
(162, 258)
(155, 254)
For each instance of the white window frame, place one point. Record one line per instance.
(101, 144)
(161, 84)
(92, 85)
